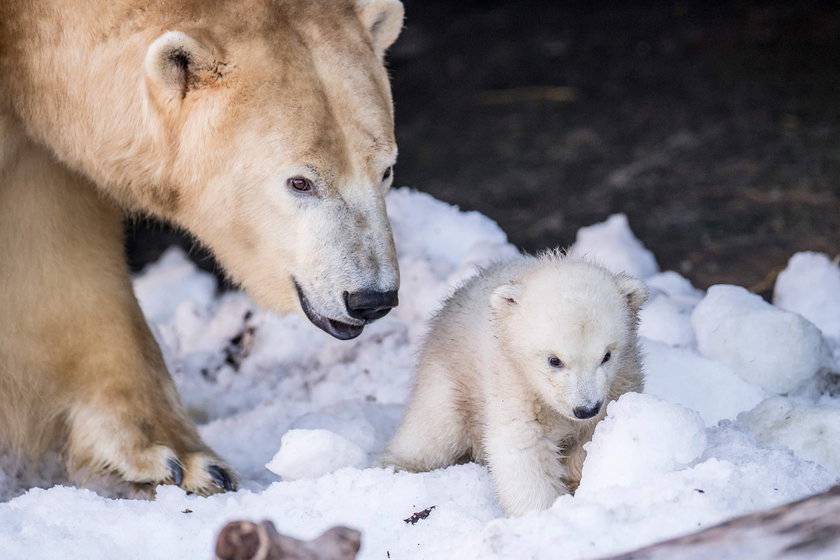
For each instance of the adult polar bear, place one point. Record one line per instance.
(265, 128)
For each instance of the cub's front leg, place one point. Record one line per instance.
(79, 367)
(432, 432)
(524, 465)
(574, 454)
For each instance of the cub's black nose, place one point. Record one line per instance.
(584, 412)
(369, 305)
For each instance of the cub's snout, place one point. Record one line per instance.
(587, 411)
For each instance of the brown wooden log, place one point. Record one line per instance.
(809, 528)
(246, 540)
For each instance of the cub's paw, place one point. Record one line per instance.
(389, 460)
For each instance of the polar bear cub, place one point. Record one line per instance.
(517, 368)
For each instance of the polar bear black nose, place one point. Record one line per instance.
(584, 412)
(369, 305)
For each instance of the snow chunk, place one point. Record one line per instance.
(772, 348)
(802, 428)
(613, 245)
(640, 438)
(711, 388)
(810, 286)
(367, 424)
(314, 453)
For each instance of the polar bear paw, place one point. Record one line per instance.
(199, 473)
(205, 474)
(101, 443)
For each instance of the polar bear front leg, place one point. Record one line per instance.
(79, 364)
(432, 433)
(524, 465)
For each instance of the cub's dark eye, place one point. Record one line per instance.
(387, 174)
(607, 357)
(300, 184)
(555, 362)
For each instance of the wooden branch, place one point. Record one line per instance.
(245, 540)
(809, 528)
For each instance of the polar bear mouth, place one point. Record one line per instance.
(333, 327)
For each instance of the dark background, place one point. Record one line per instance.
(714, 126)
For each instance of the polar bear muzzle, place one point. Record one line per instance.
(364, 306)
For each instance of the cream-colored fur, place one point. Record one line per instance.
(485, 389)
(199, 113)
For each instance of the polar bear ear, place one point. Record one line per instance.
(383, 19)
(505, 296)
(177, 62)
(633, 289)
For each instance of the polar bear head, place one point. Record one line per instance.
(570, 328)
(277, 122)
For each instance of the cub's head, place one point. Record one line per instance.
(570, 327)
(278, 125)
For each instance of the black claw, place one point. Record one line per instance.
(176, 470)
(220, 478)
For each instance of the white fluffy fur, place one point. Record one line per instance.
(485, 389)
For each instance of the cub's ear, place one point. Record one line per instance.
(505, 296)
(383, 19)
(177, 62)
(633, 289)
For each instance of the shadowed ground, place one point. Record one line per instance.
(716, 129)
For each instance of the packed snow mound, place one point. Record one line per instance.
(613, 245)
(801, 427)
(647, 436)
(810, 286)
(276, 391)
(772, 348)
(681, 376)
(667, 315)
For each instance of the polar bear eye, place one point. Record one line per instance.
(300, 184)
(387, 174)
(555, 362)
(607, 357)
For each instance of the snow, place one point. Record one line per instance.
(810, 286)
(667, 315)
(613, 245)
(647, 436)
(303, 417)
(772, 348)
(314, 453)
(801, 427)
(683, 377)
